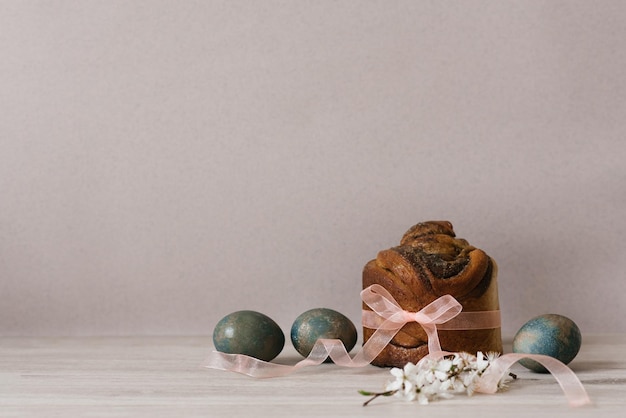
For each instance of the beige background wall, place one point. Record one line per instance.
(164, 163)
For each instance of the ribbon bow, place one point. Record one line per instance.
(387, 317)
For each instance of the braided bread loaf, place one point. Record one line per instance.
(430, 262)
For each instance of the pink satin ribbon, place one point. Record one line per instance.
(387, 318)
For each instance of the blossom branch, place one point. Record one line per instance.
(442, 378)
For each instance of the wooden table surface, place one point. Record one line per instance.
(163, 376)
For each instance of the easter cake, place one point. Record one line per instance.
(431, 262)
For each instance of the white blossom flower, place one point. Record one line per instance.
(404, 383)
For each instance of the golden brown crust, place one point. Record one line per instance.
(431, 262)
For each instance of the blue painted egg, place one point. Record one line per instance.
(321, 323)
(552, 335)
(250, 333)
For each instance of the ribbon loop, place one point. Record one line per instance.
(439, 311)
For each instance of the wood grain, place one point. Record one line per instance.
(163, 377)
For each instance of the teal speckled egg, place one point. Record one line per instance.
(553, 335)
(321, 323)
(250, 333)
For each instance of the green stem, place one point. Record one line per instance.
(376, 395)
